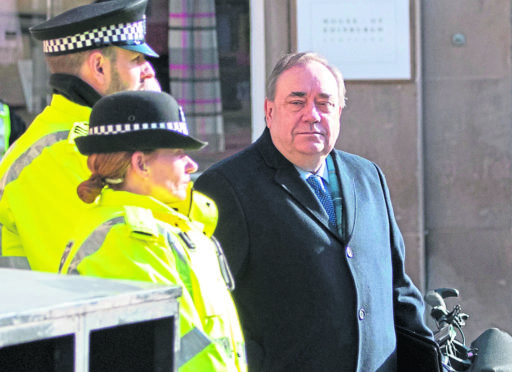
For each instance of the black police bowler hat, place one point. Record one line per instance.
(136, 121)
(116, 22)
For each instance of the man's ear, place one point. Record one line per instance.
(95, 71)
(269, 111)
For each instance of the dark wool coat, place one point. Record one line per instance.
(308, 299)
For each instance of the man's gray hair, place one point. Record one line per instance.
(303, 58)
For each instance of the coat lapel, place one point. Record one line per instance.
(348, 194)
(288, 178)
(290, 181)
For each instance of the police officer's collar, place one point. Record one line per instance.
(74, 89)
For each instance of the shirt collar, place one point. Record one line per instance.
(322, 172)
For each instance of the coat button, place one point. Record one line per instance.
(350, 254)
(362, 314)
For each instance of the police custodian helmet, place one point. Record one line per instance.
(136, 121)
(115, 22)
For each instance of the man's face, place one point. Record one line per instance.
(129, 71)
(304, 118)
(169, 174)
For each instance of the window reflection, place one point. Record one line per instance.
(24, 75)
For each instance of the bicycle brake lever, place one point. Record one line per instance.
(434, 299)
(447, 292)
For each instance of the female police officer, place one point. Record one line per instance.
(146, 222)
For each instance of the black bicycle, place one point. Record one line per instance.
(491, 351)
(449, 335)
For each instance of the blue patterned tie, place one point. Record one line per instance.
(323, 195)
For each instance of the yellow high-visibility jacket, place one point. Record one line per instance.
(38, 180)
(136, 237)
(5, 127)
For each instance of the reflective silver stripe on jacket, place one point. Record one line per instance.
(25, 159)
(192, 344)
(93, 243)
(14, 262)
(28, 157)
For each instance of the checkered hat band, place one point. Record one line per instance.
(122, 32)
(174, 126)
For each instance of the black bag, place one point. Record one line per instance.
(416, 353)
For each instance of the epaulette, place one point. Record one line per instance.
(141, 222)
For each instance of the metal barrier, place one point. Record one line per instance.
(52, 322)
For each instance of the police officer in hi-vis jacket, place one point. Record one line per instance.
(91, 51)
(148, 224)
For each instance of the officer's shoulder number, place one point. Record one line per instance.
(141, 222)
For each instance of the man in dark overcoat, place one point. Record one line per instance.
(318, 288)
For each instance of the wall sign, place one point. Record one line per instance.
(365, 39)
